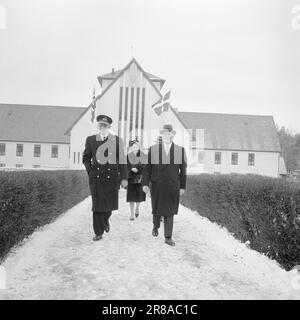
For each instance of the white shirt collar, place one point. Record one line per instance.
(167, 147)
(103, 136)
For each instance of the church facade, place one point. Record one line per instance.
(215, 143)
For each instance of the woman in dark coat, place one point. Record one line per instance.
(136, 160)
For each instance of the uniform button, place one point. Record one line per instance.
(97, 168)
(97, 176)
(108, 169)
(108, 177)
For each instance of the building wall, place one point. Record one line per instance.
(266, 163)
(28, 160)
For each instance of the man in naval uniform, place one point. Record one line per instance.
(166, 172)
(105, 163)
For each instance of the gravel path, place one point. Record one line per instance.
(60, 261)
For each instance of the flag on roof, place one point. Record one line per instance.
(167, 96)
(162, 104)
(157, 102)
(158, 110)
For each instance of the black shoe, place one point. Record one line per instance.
(137, 213)
(107, 227)
(170, 242)
(155, 232)
(97, 238)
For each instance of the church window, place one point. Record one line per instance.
(234, 158)
(2, 149)
(251, 159)
(54, 151)
(131, 112)
(143, 113)
(137, 108)
(218, 157)
(37, 150)
(19, 150)
(125, 115)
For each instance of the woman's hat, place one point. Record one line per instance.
(132, 142)
(104, 119)
(167, 128)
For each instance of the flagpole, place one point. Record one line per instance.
(163, 115)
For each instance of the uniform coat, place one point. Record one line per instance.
(105, 163)
(167, 175)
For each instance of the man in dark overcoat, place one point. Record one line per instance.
(166, 172)
(105, 163)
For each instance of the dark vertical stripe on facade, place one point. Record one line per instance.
(131, 112)
(137, 110)
(143, 115)
(120, 110)
(125, 115)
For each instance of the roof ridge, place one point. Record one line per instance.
(38, 105)
(229, 114)
(112, 75)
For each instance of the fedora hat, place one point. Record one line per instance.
(168, 128)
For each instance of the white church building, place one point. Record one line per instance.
(215, 143)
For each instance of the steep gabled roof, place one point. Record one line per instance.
(120, 73)
(116, 73)
(234, 131)
(36, 123)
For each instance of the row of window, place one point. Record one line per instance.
(19, 165)
(235, 158)
(36, 150)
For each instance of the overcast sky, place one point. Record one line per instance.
(228, 56)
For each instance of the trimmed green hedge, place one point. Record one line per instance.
(262, 210)
(30, 199)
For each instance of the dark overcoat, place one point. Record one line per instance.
(167, 175)
(105, 163)
(135, 192)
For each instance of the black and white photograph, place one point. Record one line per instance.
(149, 152)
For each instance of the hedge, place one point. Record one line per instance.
(262, 210)
(30, 199)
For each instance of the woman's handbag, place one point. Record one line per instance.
(137, 179)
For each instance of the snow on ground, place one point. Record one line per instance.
(60, 261)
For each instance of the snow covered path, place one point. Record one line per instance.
(61, 261)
